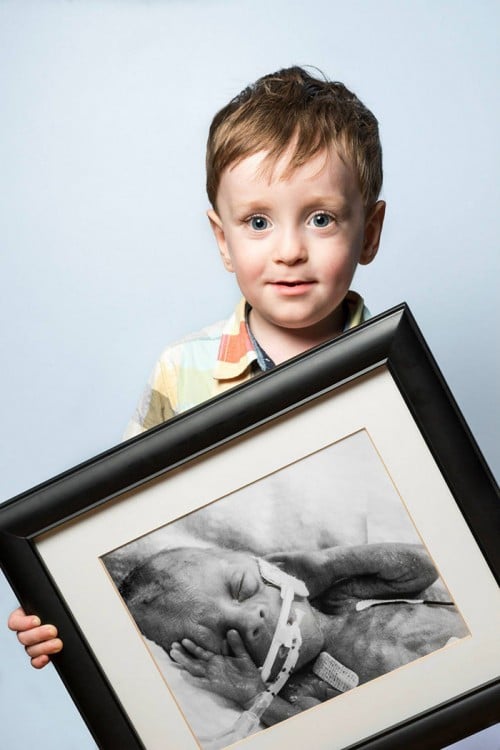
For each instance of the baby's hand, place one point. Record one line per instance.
(306, 690)
(38, 640)
(232, 676)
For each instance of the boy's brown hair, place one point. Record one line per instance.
(293, 106)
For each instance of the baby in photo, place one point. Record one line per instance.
(280, 634)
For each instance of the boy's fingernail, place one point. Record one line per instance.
(36, 622)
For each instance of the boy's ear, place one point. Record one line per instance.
(373, 230)
(218, 230)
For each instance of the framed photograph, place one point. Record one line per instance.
(336, 507)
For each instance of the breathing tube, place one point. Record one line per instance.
(286, 636)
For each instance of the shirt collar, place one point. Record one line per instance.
(237, 353)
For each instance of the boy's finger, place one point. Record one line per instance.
(35, 636)
(52, 646)
(20, 621)
(39, 662)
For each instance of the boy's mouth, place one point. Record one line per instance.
(293, 287)
(298, 284)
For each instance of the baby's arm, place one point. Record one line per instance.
(40, 641)
(362, 571)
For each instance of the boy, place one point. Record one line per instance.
(294, 171)
(362, 614)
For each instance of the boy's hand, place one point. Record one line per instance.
(38, 640)
(233, 676)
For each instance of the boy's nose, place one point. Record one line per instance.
(290, 248)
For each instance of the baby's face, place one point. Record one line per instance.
(226, 591)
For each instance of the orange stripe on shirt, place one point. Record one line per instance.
(235, 346)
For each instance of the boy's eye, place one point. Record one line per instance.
(258, 223)
(321, 220)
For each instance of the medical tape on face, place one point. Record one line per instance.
(286, 634)
(289, 663)
(282, 635)
(277, 577)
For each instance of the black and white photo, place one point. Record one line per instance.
(208, 591)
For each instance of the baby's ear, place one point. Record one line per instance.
(218, 230)
(373, 230)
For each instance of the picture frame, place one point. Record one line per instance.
(380, 379)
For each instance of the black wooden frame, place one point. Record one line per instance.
(392, 340)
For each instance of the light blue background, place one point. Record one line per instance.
(106, 255)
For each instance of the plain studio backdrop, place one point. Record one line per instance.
(106, 253)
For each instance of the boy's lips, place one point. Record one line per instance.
(292, 286)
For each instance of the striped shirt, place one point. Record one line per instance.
(210, 362)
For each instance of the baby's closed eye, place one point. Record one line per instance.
(243, 586)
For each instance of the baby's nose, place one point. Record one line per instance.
(255, 621)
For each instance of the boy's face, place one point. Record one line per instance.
(294, 243)
(224, 591)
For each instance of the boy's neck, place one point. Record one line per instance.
(284, 343)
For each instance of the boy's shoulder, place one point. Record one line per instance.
(206, 338)
(187, 371)
(203, 337)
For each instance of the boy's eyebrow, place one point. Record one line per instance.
(245, 208)
(338, 204)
